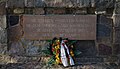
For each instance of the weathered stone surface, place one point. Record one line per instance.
(36, 65)
(16, 48)
(5, 59)
(2, 22)
(102, 5)
(106, 41)
(2, 9)
(87, 48)
(76, 11)
(3, 48)
(116, 20)
(38, 11)
(29, 3)
(18, 11)
(55, 11)
(52, 3)
(35, 48)
(3, 32)
(3, 36)
(26, 59)
(117, 36)
(15, 3)
(89, 60)
(104, 50)
(104, 35)
(70, 3)
(15, 29)
(32, 50)
(104, 26)
(28, 11)
(39, 3)
(116, 49)
(117, 8)
(27, 47)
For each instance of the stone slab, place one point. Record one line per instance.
(40, 27)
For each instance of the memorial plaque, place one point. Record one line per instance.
(41, 27)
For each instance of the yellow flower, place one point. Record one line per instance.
(57, 56)
(57, 47)
(57, 61)
(71, 52)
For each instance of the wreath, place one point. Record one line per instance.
(62, 51)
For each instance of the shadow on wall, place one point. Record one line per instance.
(87, 48)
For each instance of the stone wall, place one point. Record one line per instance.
(19, 53)
(3, 34)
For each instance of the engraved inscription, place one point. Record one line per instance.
(40, 27)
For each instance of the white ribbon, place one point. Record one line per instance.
(63, 55)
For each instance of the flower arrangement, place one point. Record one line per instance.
(62, 52)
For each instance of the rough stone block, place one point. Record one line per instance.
(107, 41)
(29, 3)
(87, 48)
(18, 11)
(38, 11)
(34, 48)
(3, 36)
(116, 49)
(16, 48)
(5, 59)
(104, 50)
(3, 32)
(55, 11)
(116, 20)
(28, 11)
(15, 3)
(76, 11)
(104, 26)
(2, 22)
(102, 5)
(40, 3)
(2, 9)
(3, 48)
(117, 36)
(117, 8)
(104, 35)
(15, 33)
(54, 3)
